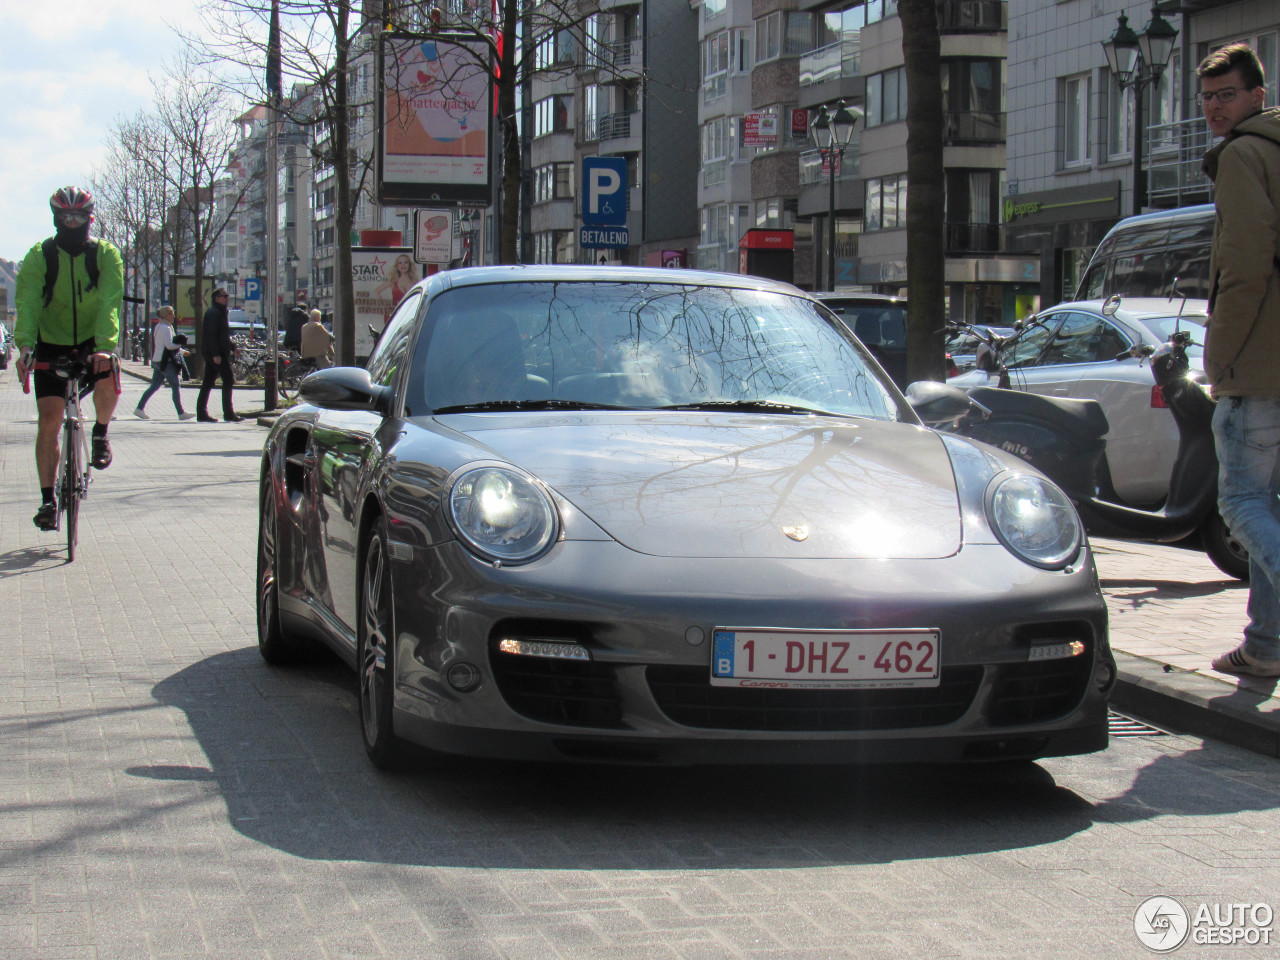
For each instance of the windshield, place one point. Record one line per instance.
(1163, 328)
(639, 346)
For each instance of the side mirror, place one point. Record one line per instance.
(345, 388)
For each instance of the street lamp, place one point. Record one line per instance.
(1138, 60)
(831, 133)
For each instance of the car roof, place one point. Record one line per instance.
(868, 298)
(1143, 308)
(550, 273)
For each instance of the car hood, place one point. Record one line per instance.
(741, 486)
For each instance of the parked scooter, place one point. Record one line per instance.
(1063, 438)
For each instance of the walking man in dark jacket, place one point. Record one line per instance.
(1242, 346)
(215, 347)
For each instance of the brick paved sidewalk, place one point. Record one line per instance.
(1172, 611)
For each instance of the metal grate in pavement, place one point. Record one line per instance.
(1121, 726)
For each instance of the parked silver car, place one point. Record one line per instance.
(1071, 350)
(593, 513)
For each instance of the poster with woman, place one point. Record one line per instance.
(379, 280)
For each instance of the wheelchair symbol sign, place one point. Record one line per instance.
(604, 191)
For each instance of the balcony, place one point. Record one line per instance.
(1174, 152)
(973, 16)
(626, 56)
(972, 238)
(832, 62)
(959, 129)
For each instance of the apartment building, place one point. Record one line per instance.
(768, 66)
(619, 84)
(1073, 130)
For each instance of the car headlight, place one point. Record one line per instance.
(501, 513)
(1035, 520)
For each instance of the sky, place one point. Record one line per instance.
(69, 69)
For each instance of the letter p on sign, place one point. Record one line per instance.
(604, 191)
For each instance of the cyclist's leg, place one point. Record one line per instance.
(106, 393)
(48, 432)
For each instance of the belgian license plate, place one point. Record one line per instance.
(825, 658)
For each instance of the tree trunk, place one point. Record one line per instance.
(345, 301)
(926, 185)
(509, 135)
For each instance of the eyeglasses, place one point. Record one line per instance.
(72, 219)
(1223, 96)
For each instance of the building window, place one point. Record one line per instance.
(590, 112)
(785, 33)
(1119, 119)
(718, 138)
(715, 64)
(1074, 109)
(553, 246)
(713, 8)
(551, 115)
(555, 48)
(885, 207)
(554, 181)
(886, 97)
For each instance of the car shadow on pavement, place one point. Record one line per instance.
(285, 754)
(1140, 591)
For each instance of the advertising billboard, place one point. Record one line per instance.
(380, 277)
(184, 305)
(435, 113)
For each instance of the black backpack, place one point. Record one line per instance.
(50, 250)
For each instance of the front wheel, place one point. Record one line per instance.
(376, 653)
(1227, 553)
(274, 644)
(70, 489)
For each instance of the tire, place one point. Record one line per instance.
(72, 471)
(275, 646)
(1226, 552)
(376, 653)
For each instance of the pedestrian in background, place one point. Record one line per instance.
(1242, 344)
(215, 347)
(294, 323)
(317, 343)
(164, 365)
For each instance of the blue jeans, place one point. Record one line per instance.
(1247, 433)
(160, 372)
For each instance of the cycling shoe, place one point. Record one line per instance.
(101, 458)
(46, 517)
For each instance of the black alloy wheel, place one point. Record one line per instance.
(274, 644)
(1227, 553)
(376, 652)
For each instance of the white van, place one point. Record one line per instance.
(1141, 256)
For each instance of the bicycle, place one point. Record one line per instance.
(292, 371)
(71, 484)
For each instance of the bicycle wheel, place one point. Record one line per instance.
(72, 478)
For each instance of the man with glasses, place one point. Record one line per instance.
(1242, 345)
(215, 347)
(68, 295)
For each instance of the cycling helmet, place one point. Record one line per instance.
(71, 200)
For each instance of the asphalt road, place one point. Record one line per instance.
(164, 793)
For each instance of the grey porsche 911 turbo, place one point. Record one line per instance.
(662, 516)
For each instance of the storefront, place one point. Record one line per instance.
(1060, 229)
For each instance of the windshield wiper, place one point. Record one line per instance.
(489, 405)
(744, 406)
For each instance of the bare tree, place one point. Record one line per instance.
(133, 199)
(318, 40)
(926, 185)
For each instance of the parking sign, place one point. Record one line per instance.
(604, 191)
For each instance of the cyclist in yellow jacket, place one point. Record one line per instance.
(77, 309)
